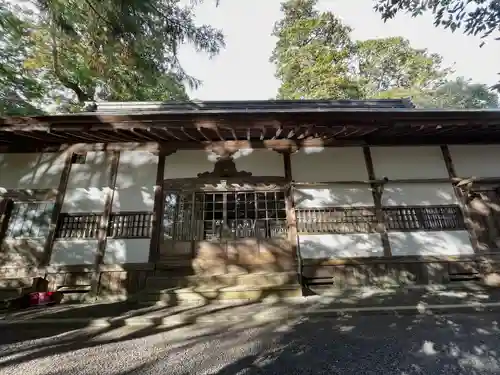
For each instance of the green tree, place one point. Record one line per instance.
(20, 90)
(312, 54)
(315, 58)
(114, 50)
(389, 63)
(473, 17)
(454, 94)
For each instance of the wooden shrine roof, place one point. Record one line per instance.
(374, 122)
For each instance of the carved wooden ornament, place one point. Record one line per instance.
(223, 168)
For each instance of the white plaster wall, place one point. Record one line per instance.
(119, 251)
(135, 181)
(88, 183)
(333, 246)
(441, 243)
(260, 162)
(476, 161)
(74, 252)
(408, 162)
(188, 163)
(422, 194)
(329, 164)
(22, 252)
(31, 171)
(333, 195)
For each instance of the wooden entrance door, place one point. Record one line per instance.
(225, 230)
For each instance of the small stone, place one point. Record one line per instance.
(492, 279)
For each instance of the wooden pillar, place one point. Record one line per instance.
(462, 199)
(290, 209)
(377, 191)
(61, 193)
(103, 227)
(5, 208)
(158, 207)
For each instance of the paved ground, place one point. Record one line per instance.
(387, 345)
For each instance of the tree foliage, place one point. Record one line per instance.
(384, 64)
(312, 54)
(473, 17)
(17, 85)
(108, 49)
(315, 57)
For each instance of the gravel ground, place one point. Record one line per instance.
(407, 345)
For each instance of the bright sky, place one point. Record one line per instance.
(243, 72)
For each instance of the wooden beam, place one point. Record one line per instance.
(61, 192)
(273, 144)
(462, 199)
(103, 227)
(158, 207)
(377, 191)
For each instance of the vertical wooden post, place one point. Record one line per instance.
(158, 207)
(461, 198)
(377, 191)
(291, 218)
(5, 208)
(61, 193)
(103, 227)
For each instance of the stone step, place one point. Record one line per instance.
(212, 282)
(176, 296)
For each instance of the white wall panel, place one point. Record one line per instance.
(74, 252)
(333, 246)
(119, 251)
(423, 194)
(189, 163)
(333, 195)
(329, 164)
(260, 162)
(88, 184)
(135, 181)
(476, 161)
(440, 243)
(408, 162)
(31, 171)
(22, 252)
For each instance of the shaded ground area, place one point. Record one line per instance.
(362, 344)
(331, 298)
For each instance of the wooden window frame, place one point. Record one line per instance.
(351, 220)
(143, 231)
(84, 218)
(94, 220)
(189, 198)
(7, 212)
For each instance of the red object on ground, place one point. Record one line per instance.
(41, 298)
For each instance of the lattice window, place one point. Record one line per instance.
(244, 214)
(130, 225)
(336, 220)
(217, 215)
(177, 216)
(78, 225)
(29, 219)
(428, 218)
(79, 158)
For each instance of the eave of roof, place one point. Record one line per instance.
(396, 123)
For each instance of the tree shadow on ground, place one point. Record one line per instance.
(349, 344)
(286, 340)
